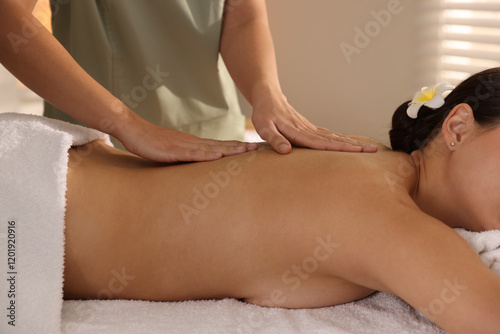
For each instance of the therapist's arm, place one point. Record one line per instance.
(35, 57)
(248, 52)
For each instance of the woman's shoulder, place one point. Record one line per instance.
(394, 169)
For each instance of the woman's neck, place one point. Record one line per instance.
(431, 193)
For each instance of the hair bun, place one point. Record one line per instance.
(409, 134)
(401, 134)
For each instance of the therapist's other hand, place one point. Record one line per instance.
(278, 123)
(160, 144)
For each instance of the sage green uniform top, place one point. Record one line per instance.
(160, 57)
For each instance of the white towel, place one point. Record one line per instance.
(486, 244)
(33, 167)
(379, 313)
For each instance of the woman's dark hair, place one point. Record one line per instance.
(481, 91)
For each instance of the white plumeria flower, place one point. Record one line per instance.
(430, 97)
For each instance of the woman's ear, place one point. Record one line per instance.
(458, 124)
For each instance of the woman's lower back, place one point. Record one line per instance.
(258, 226)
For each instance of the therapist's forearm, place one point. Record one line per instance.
(248, 52)
(32, 54)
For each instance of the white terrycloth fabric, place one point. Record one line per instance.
(33, 167)
(380, 313)
(486, 244)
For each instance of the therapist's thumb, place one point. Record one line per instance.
(278, 142)
(283, 147)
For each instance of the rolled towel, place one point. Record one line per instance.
(486, 244)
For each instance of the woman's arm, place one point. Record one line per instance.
(431, 267)
(34, 56)
(248, 52)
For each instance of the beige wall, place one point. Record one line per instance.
(351, 98)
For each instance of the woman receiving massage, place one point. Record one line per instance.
(309, 229)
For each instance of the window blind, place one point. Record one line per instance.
(457, 38)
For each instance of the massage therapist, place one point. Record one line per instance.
(150, 73)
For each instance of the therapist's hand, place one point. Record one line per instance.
(278, 123)
(169, 145)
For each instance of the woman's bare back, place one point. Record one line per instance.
(241, 227)
(308, 229)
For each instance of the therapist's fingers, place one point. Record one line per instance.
(320, 140)
(180, 148)
(227, 147)
(323, 139)
(169, 145)
(277, 141)
(179, 153)
(282, 130)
